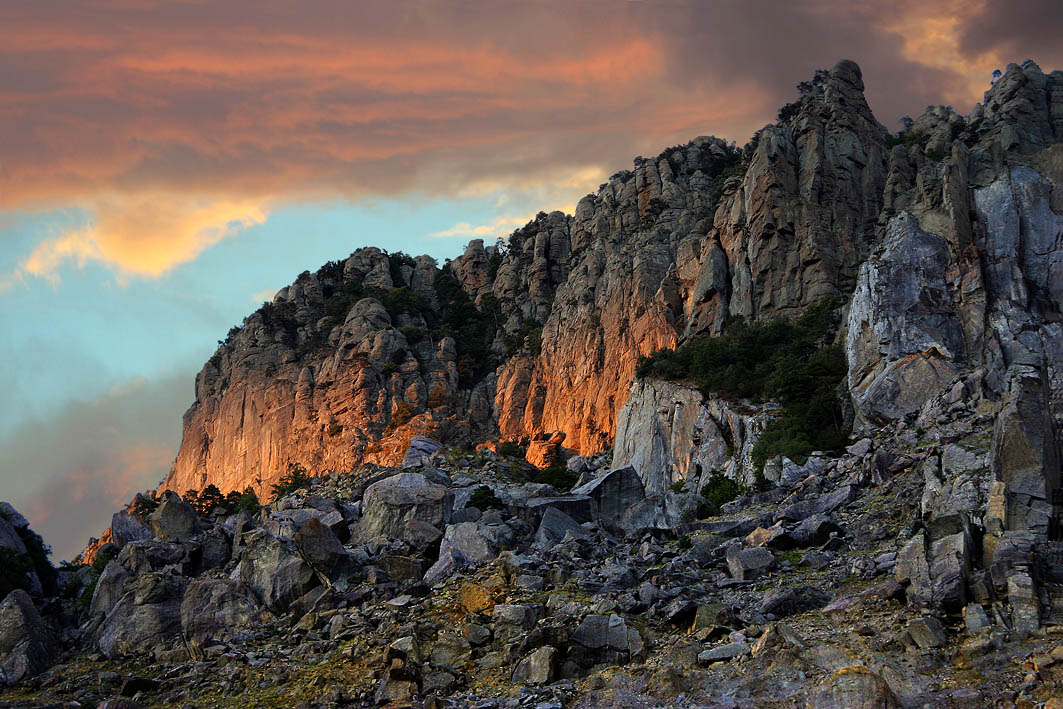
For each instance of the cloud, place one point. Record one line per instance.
(263, 295)
(116, 103)
(144, 235)
(70, 472)
(498, 227)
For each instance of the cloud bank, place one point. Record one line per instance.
(209, 113)
(67, 473)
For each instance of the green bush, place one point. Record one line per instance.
(14, 568)
(483, 498)
(403, 414)
(719, 489)
(794, 363)
(98, 565)
(557, 476)
(678, 486)
(511, 449)
(295, 479)
(684, 542)
(472, 329)
(247, 501)
(438, 397)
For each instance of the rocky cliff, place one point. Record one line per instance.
(915, 233)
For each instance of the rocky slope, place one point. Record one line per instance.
(921, 564)
(454, 582)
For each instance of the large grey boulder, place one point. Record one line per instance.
(126, 528)
(156, 555)
(214, 611)
(420, 452)
(555, 526)
(477, 542)
(174, 519)
(853, 687)
(537, 667)
(746, 564)
(27, 644)
(581, 508)
(605, 638)
(146, 618)
(614, 493)
(110, 587)
(666, 511)
(320, 547)
(273, 570)
(388, 505)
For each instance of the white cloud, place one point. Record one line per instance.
(265, 294)
(499, 227)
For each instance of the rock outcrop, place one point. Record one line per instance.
(670, 433)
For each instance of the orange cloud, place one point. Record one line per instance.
(144, 235)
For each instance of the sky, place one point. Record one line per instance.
(167, 166)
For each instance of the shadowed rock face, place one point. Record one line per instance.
(916, 237)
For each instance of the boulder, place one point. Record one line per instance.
(399, 567)
(320, 547)
(214, 611)
(774, 537)
(156, 555)
(27, 644)
(746, 564)
(926, 632)
(605, 638)
(146, 619)
(448, 563)
(420, 452)
(272, 569)
(388, 505)
(555, 526)
(537, 667)
(614, 493)
(110, 587)
(511, 620)
(174, 519)
(451, 650)
(728, 651)
(815, 531)
(126, 528)
(791, 601)
(975, 618)
(581, 508)
(666, 511)
(853, 687)
(476, 541)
